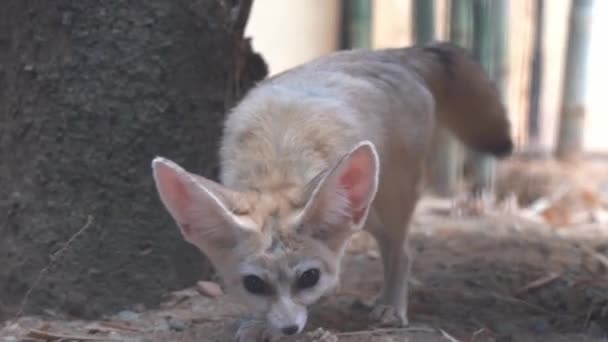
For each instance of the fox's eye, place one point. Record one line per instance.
(256, 285)
(308, 279)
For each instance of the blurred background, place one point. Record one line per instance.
(547, 59)
(535, 47)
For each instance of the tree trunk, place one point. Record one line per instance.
(90, 92)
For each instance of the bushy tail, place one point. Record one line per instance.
(467, 101)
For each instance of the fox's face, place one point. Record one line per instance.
(283, 280)
(278, 250)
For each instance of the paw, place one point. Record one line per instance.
(388, 316)
(254, 331)
(383, 314)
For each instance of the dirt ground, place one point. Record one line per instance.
(482, 271)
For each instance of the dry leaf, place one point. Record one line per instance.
(590, 198)
(556, 216)
(209, 289)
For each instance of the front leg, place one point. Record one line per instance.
(255, 330)
(390, 229)
(390, 307)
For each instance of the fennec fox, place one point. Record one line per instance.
(317, 153)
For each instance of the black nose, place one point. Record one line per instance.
(290, 330)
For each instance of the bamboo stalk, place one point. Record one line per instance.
(461, 23)
(448, 152)
(444, 157)
(572, 112)
(357, 15)
(424, 21)
(534, 118)
(489, 47)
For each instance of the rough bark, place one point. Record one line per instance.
(90, 92)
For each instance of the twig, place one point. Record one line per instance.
(48, 336)
(545, 203)
(218, 318)
(601, 258)
(119, 325)
(588, 315)
(384, 331)
(520, 301)
(353, 293)
(482, 329)
(477, 332)
(448, 336)
(53, 257)
(540, 282)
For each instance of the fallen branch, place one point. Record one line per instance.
(521, 301)
(119, 325)
(601, 258)
(448, 336)
(385, 331)
(49, 336)
(540, 282)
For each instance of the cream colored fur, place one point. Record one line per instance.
(310, 156)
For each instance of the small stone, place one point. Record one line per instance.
(128, 316)
(322, 335)
(161, 325)
(177, 324)
(373, 254)
(540, 326)
(139, 307)
(209, 289)
(67, 18)
(94, 271)
(9, 339)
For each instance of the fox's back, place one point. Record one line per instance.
(298, 123)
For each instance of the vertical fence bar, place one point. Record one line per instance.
(534, 118)
(489, 47)
(357, 24)
(461, 23)
(424, 20)
(448, 152)
(444, 171)
(572, 112)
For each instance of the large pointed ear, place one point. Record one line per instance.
(199, 206)
(340, 202)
